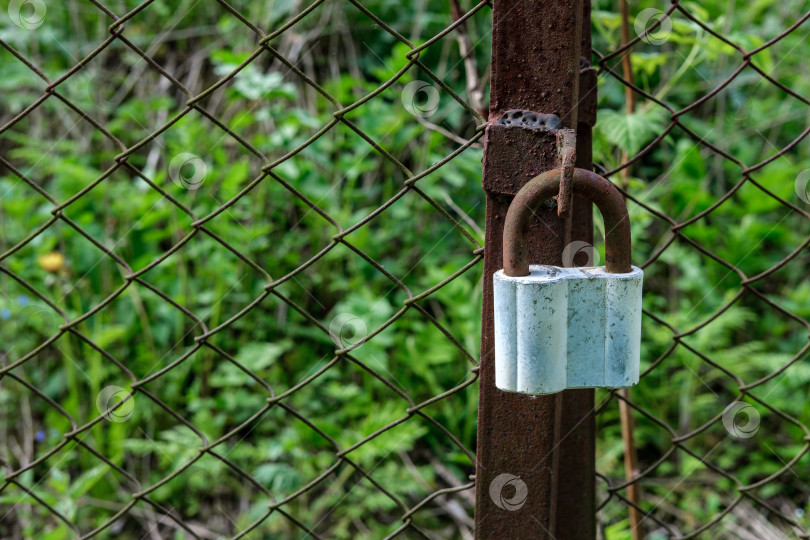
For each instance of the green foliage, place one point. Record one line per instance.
(685, 177)
(191, 281)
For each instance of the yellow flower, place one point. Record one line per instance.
(51, 262)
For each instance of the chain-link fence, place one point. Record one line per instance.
(241, 253)
(230, 305)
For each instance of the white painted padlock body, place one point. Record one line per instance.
(561, 328)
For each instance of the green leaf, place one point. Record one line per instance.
(87, 480)
(631, 132)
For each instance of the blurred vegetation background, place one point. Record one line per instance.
(141, 220)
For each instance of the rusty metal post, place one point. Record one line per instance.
(535, 469)
(576, 499)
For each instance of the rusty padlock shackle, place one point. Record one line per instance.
(586, 184)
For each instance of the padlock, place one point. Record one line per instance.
(556, 327)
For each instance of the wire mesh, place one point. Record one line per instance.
(721, 446)
(230, 429)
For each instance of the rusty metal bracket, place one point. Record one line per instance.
(540, 130)
(567, 145)
(529, 119)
